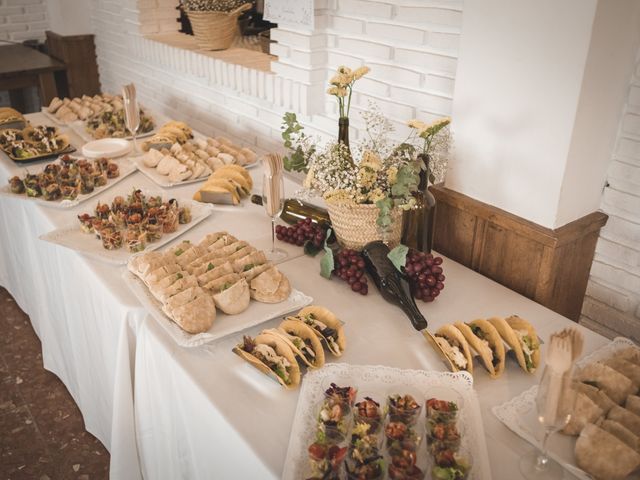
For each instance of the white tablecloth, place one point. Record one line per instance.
(204, 413)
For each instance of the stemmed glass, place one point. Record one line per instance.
(273, 202)
(131, 114)
(555, 402)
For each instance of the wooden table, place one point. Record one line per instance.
(22, 67)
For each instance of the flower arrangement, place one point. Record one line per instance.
(432, 139)
(341, 86)
(212, 5)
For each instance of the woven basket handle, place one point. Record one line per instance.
(242, 8)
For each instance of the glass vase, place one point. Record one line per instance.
(343, 130)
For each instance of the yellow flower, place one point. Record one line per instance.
(371, 160)
(360, 72)
(344, 70)
(417, 124)
(332, 90)
(342, 92)
(366, 177)
(338, 196)
(308, 180)
(434, 127)
(376, 195)
(392, 175)
(340, 80)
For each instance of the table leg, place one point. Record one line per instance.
(48, 88)
(16, 98)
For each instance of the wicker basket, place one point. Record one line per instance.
(216, 30)
(355, 224)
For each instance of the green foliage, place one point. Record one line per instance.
(398, 256)
(385, 206)
(407, 180)
(294, 140)
(326, 262)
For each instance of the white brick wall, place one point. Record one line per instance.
(23, 20)
(612, 303)
(411, 50)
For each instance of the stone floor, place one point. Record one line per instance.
(42, 434)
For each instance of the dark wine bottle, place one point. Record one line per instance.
(393, 285)
(295, 210)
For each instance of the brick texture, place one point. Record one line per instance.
(22, 20)
(612, 302)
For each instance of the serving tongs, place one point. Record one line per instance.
(394, 287)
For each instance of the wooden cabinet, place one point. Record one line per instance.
(78, 53)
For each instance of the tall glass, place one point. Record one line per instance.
(273, 202)
(132, 119)
(555, 402)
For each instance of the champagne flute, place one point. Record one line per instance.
(131, 114)
(555, 401)
(273, 202)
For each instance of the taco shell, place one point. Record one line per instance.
(282, 349)
(325, 316)
(459, 358)
(486, 353)
(509, 329)
(305, 332)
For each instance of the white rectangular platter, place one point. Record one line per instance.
(52, 117)
(74, 238)
(79, 128)
(223, 325)
(520, 415)
(127, 167)
(378, 381)
(162, 180)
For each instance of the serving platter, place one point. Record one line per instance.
(74, 238)
(52, 117)
(162, 180)
(126, 168)
(79, 128)
(44, 156)
(378, 381)
(520, 415)
(224, 324)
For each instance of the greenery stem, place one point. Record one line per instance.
(349, 103)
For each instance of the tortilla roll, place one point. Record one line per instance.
(486, 342)
(615, 385)
(596, 450)
(630, 420)
(585, 411)
(626, 368)
(622, 433)
(521, 338)
(456, 348)
(598, 396)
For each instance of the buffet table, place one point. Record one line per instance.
(169, 412)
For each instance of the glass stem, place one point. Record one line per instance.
(135, 145)
(273, 234)
(543, 459)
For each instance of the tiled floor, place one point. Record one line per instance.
(42, 434)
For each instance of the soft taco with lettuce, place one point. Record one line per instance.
(485, 340)
(326, 326)
(522, 338)
(303, 341)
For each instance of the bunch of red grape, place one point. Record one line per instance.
(303, 231)
(425, 275)
(349, 266)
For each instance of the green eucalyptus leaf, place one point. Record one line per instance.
(326, 262)
(398, 256)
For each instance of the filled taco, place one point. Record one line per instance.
(272, 356)
(451, 343)
(485, 340)
(303, 341)
(522, 338)
(326, 325)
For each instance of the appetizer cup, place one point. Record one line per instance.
(400, 437)
(339, 392)
(368, 411)
(365, 471)
(443, 405)
(404, 405)
(446, 464)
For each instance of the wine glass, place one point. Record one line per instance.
(273, 202)
(555, 401)
(131, 115)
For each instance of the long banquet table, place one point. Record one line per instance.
(167, 412)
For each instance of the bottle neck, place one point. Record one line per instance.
(424, 174)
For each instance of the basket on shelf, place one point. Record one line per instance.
(215, 30)
(355, 224)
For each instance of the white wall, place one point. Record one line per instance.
(69, 17)
(612, 303)
(23, 20)
(517, 89)
(614, 42)
(411, 48)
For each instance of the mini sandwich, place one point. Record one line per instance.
(603, 455)
(522, 338)
(485, 340)
(303, 341)
(272, 356)
(241, 170)
(230, 293)
(326, 326)
(452, 344)
(271, 286)
(614, 384)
